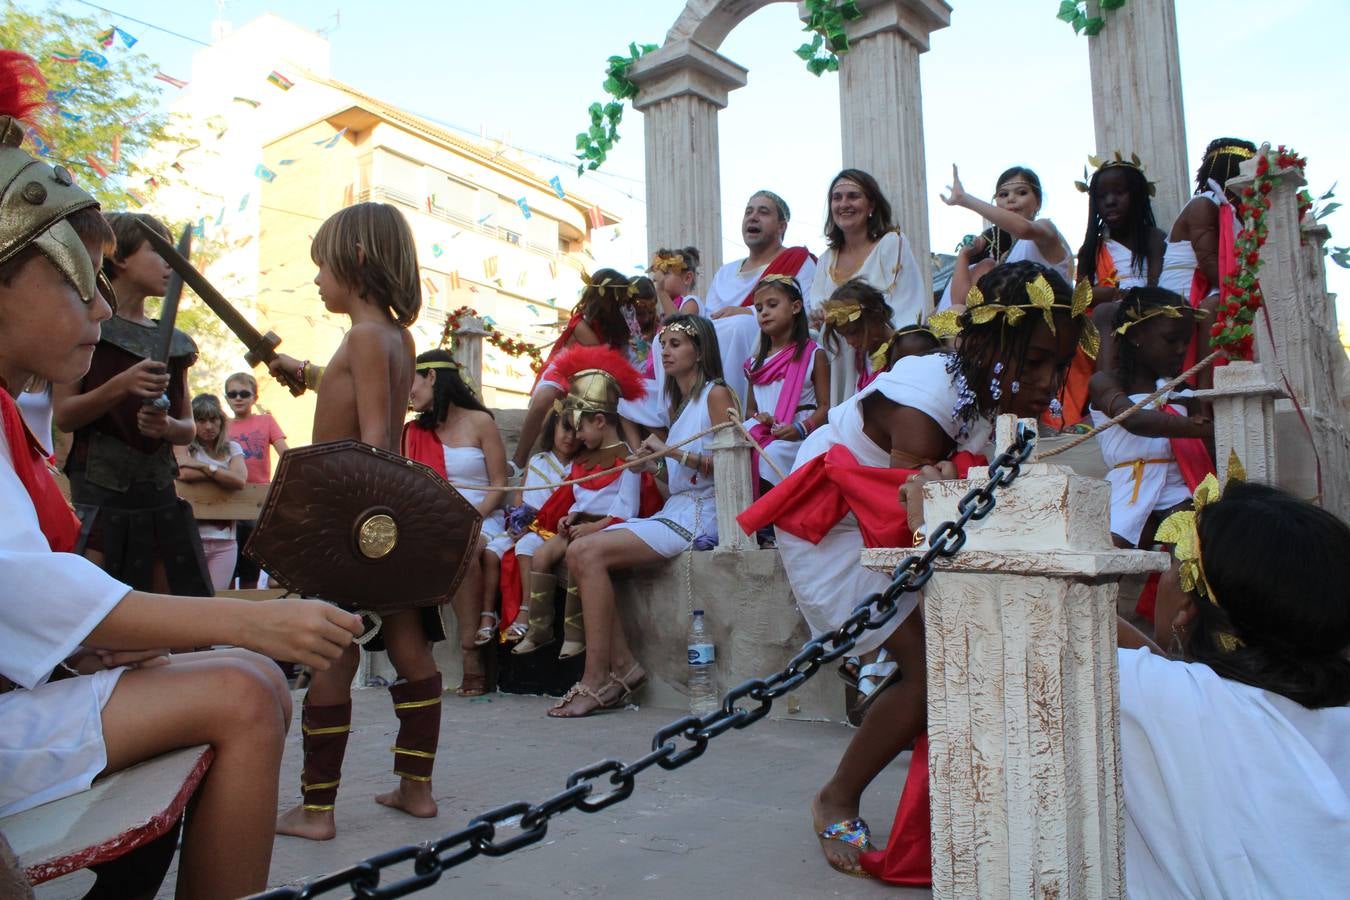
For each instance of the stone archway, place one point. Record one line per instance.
(686, 82)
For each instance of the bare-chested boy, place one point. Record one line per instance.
(368, 271)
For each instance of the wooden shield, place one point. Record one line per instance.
(364, 528)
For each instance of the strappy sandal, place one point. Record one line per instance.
(853, 832)
(473, 685)
(619, 688)
(483, 636)
(575, 691)
(874, 678)
(516, 631)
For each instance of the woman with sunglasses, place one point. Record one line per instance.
(255, 432)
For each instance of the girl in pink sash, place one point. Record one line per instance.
(789, 378)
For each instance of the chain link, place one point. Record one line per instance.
(433, 858)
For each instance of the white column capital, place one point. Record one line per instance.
(915, 19)
(685, 67)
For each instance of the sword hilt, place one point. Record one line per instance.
(264, 353)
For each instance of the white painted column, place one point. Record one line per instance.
(881, 108)
(1023, 694)
(682, 86)
(1136, 97)
(467, 349)
(1305, 349)
(731, 478)
(1243, 399)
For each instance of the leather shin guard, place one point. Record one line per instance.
(574, 627)
(325, 732)
(542, 587)
(418, 707)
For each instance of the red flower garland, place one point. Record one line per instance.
(1232, 328)
(509, 346)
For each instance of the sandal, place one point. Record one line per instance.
(516, 631)
(473, 685)
(874, 678)
(575, 691)
(619, 688)
(848, 671)
(853, 832)
(483, 636)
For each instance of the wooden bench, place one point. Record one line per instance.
(118, 813)
(210, 501)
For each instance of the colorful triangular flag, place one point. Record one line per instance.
(127, 40)
(243, 202)
(330, 143)
(556, 183)
(96, 165)
(596, 217)
(490, 267)
(454, 280)
(264, 173)
(116, 151)
(66, 57)
(106, 38)
(524, 207)
(280, 80)
(253, 103)
(97, 60)
(170, 80)
(437, 250)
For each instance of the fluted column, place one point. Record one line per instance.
(682, 86)
(881, 107)
(1136, 97)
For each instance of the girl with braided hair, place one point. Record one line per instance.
(601, 316)
(1200, 244)
(928, 417)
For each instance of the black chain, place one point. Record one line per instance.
(432, 858)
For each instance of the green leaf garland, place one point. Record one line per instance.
(826, 19)
(1075, 13)
(595, 143)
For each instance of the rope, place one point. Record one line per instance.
(763, 454)
(631, 464)
(1116, 420)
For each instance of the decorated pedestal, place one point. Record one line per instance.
(1243, 399)
(1023, 698)
(731, 478)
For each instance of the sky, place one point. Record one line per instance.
(1006, 83)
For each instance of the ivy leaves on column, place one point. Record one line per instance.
(594, 144)
(1075, 13)
(826, 18)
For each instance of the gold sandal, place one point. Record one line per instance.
(578, 690)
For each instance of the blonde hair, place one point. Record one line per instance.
(369, 248)
(205, 407)
(247, 379)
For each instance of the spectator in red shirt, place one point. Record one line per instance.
(255, 432)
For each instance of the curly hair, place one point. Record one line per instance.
(1222, 157)
(983, 346)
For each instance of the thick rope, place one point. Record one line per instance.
(1116, 420)
(763, 454)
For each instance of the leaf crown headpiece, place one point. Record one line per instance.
(1101, 165)
(1041, 296)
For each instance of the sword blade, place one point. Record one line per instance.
(233, 319)
(168, 313)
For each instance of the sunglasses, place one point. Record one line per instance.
(238, 395)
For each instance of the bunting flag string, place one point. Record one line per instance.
(66, 57)
(97, 60)
(248, 102)
(60, 96)
(596, 217)
(330, 143)
(106, 38)
(69, 116)
(524, 207)
(437, 250)
(455, 283)
(264, 173)
(490, 267)
(556, 183)
(96, 165)
(116, 153)
(243, 202)
(170, 80)
(280, 80)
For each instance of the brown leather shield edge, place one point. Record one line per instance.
(364, 528)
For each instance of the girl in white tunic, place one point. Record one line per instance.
(456, 436)
(864, 243)
(1236, 752)
(1157, 456)
(918, 417)
(138, 703)
(1015, 233)
(688, 519)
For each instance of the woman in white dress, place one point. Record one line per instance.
(1193, 245)
(865, 243)
(1014, 233)
(1236, 752)
(698, 400)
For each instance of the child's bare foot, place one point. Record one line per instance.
(842, 835)
(311, 824)
(412, 797)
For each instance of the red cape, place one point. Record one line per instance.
(55, 517)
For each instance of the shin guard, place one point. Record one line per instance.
(325, 732)
(418, 707)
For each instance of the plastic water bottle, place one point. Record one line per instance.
(703, 697)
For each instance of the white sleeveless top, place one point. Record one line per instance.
(468, 465)
(1179, 262)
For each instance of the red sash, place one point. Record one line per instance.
(907, 857)
(421, 445)
(55, 517)
(816, 497)
(1201, 288)
(789, 261)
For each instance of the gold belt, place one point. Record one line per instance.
(1137, 465)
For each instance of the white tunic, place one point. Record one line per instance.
(1231, 792)
(1159, 484)
(737, 335)
(1123, 259)
(51, 739)
(783, 453)
(891, 269)
(1028, 251)
(468, 465)
(691, 509)
(1179, 262)
(828, 578)
(544, 468)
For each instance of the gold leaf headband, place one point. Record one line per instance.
(839, 313)
(1237, 150)
(1042, 297)
(1181, 530)
(607, 284)
(1134, 317)
(785, 280)
(667, 262)
(437, 364)
(1101, 165)
(684, 327)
